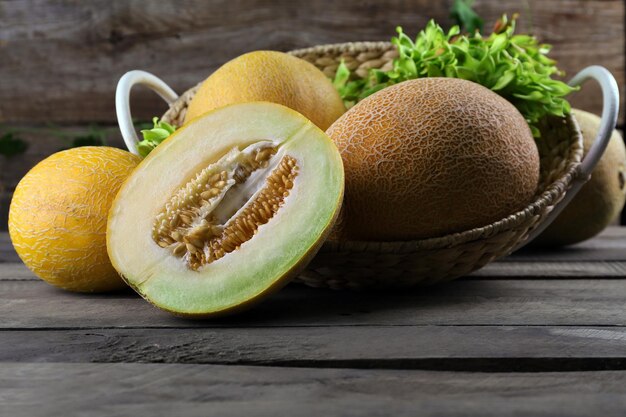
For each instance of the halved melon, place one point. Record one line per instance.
(226, 210)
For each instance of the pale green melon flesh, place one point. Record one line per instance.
(259, 264)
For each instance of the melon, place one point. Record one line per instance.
(270, 76)
(601, 199)
(227, 210)
(430, 157)
(58, 217)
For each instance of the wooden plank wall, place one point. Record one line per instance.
(60, 60)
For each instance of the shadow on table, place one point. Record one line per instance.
(300, 305)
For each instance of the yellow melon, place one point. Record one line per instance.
(433, 156)
(58, 217)
(270, 76)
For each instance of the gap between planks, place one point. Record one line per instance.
(476, 349)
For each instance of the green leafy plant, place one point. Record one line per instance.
(514, 66)
(465, 17)
(95, 136)
(154, 136)
(11, 145)
(86, 140)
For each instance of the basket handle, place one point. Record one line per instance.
(610, 109)
(122, 102)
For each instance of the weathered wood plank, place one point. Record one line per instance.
(61, 60)
(453, 348)
(510, 268)
(162, 389)
(16, 271)
(608, 247)
(7, 253)
(599, 249)
(36, 305)
(503, 269)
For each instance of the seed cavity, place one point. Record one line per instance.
(213, 215)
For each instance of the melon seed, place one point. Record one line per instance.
(187, 226)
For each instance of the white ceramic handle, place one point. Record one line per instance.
(610, 109)
(610, 97)
(122, 102)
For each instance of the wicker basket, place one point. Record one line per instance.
(361, 265)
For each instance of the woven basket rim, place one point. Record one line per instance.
(549, 196)
(361, 46)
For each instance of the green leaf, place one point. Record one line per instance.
(158, 133)
(145, 147)
(87, 140)
(498, 43)
(10, 145)
(170, 128)
(515, 66)
(533, 96)
(341, 76)
(465, 16)
(504, 80)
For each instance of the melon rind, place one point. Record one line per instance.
(260, 265)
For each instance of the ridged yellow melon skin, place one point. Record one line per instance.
(58, 217)
(432, 156)
(270, 76)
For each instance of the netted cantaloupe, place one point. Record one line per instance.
(270, 76)
(226, 210)
(433, 156)
(600, 200)
(58, 217)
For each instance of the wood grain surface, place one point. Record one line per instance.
(511, 342)
(590, 302)
(58, 389)
(62, 59)
(532, 287)
(444, 348)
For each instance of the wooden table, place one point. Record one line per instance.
(534, 334)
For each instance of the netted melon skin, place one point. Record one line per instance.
(600, 200)
(433, 156)
(58, 217)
